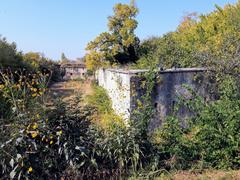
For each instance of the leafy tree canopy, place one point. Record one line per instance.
(9, 56)
(120, 44)
(199, 41)
(64, 59)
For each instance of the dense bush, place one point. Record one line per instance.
(9, 56)
(14, 64)
(199, 41)
(63, 141)
(12, 59)
(211, 139)
(88, 141)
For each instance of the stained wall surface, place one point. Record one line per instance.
(176, 86)
(117, 85)
(124, 89)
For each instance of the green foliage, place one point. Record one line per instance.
(18, 89)
(64, 59)
(9, 57)
(100, 100)
(50, 144)
(103, 114)
(199, 40)
(37, 62)
(120, 44)
(211, 139)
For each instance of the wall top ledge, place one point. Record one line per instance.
(173, 70)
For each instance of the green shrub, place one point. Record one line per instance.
(104, 115)
(100, 100)
(50, 144)
(211, 139)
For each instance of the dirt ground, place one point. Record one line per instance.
(67, 89)
(208, 175)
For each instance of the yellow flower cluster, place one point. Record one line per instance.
(1, 86)
(30, 169)
(35, 126)
(59, 133)
(37, 91)
(34, 134)
(45, 139)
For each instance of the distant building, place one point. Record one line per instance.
(73, 70)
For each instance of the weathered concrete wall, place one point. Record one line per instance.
(121, 85)
(117, 85)
(173, 85)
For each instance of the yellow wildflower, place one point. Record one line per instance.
(34, 89)
(38, 116)
(59, 133)
(1, 86)
(139, 104)
(34, 95)
(51, 142)
(30, 169)
(34, 134)
(35, 126)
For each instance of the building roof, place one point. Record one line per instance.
(73, 65)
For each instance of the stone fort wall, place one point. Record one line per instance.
(122, 84)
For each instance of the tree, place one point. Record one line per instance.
(120, 44)
(9, 56)
(36, 60)
(188, 20)
(64, 59)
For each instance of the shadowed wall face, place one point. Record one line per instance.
(172, 87)
(125, 90)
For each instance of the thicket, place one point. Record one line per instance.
(211, 139)
(199, 41)
(15, 65)
(14, 60)
(38, 142)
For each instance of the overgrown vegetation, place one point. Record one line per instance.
(211, 138)
(12, 59)
(103, 114)
(86, 140)
(199, 41)
(65, 141)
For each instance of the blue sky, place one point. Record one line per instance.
(56, 26)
